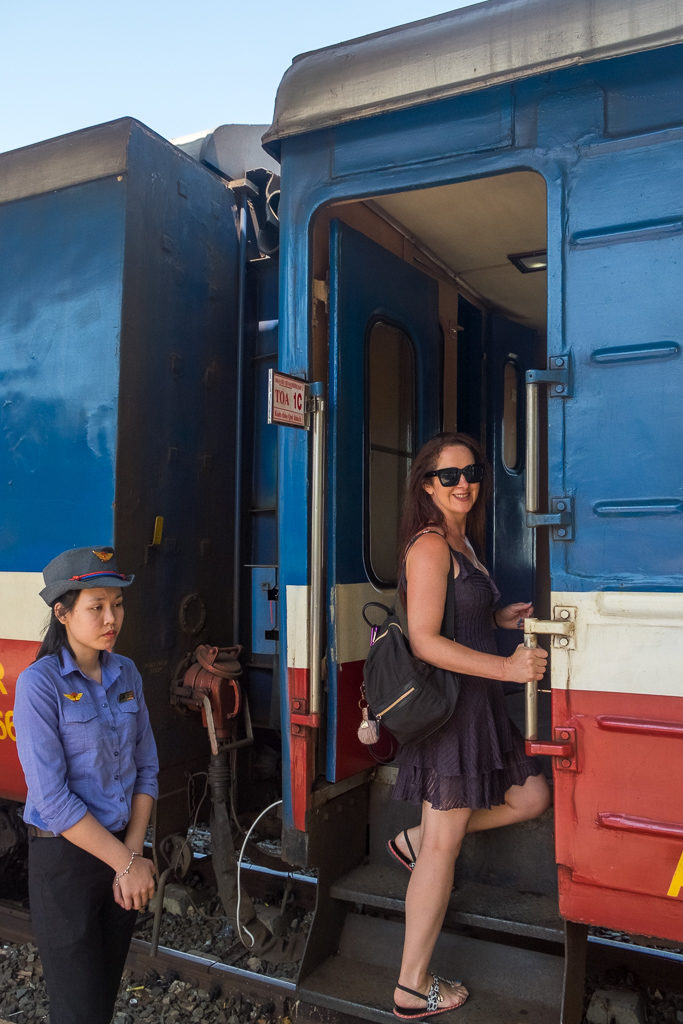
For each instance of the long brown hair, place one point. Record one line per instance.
(420, 511)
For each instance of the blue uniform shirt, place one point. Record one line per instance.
(83, 746)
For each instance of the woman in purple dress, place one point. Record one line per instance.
(473, 773)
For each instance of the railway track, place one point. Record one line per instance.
(204, 973)
(652, 969)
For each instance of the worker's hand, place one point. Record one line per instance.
(134, 889)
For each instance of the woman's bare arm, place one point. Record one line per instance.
(428, 566)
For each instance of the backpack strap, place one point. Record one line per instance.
(421, 533)
(449, 609)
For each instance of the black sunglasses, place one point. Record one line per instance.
(450, 477)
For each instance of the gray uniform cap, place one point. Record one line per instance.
(82, 569)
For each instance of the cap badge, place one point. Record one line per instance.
(104, 556)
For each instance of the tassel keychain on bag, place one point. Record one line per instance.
(368, 730)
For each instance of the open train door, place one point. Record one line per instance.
(386, 355)
(613, 509)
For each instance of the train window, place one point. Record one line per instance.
(511, 411)
(390, 436)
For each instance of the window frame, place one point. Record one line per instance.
(380, 582)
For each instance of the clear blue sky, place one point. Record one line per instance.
(180, 67)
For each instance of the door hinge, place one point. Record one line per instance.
(560, 518)
(562, 747)
(557, 376)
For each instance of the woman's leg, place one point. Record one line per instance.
(426, 901)
(522, 803)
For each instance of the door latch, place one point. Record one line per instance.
(563, 745)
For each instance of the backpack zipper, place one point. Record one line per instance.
(397, 701)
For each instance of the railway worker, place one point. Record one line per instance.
(90, 762)
(473, 773)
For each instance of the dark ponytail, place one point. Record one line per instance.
(55, 635)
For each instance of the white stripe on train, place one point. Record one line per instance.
(23, 614)
(626, 642)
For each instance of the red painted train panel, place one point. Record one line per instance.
(15, 655)
(619, 826)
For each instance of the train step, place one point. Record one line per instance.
(508, 985)
(492, 907)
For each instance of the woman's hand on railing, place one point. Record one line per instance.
(525, 664)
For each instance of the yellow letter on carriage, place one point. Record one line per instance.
(677, 880)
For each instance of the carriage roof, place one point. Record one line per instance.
(471, 48)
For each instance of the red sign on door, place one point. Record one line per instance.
(287, 400)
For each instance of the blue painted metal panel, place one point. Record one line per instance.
(657, 99)
(367, 283)
(264, 614)
(484, 121)
(61, 257)
(623, 459)
(370, 283)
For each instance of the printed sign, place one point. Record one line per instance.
(287, 400)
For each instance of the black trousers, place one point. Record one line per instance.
(81, 933)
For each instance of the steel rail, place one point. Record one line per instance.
(652, 965)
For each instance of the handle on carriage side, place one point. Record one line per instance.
(562, 630)
(316, 601)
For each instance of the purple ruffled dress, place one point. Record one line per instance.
(474, 758)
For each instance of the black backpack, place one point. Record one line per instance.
(411, 698)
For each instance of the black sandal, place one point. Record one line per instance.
(432, 999)
(401, 857)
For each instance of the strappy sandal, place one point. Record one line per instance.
(432, 999)
(393, 849)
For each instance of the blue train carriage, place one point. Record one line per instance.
(482, 227)
(135, 294)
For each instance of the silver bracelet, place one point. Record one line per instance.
(120, 874)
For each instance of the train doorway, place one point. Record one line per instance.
(425, 276)
(436, 308)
